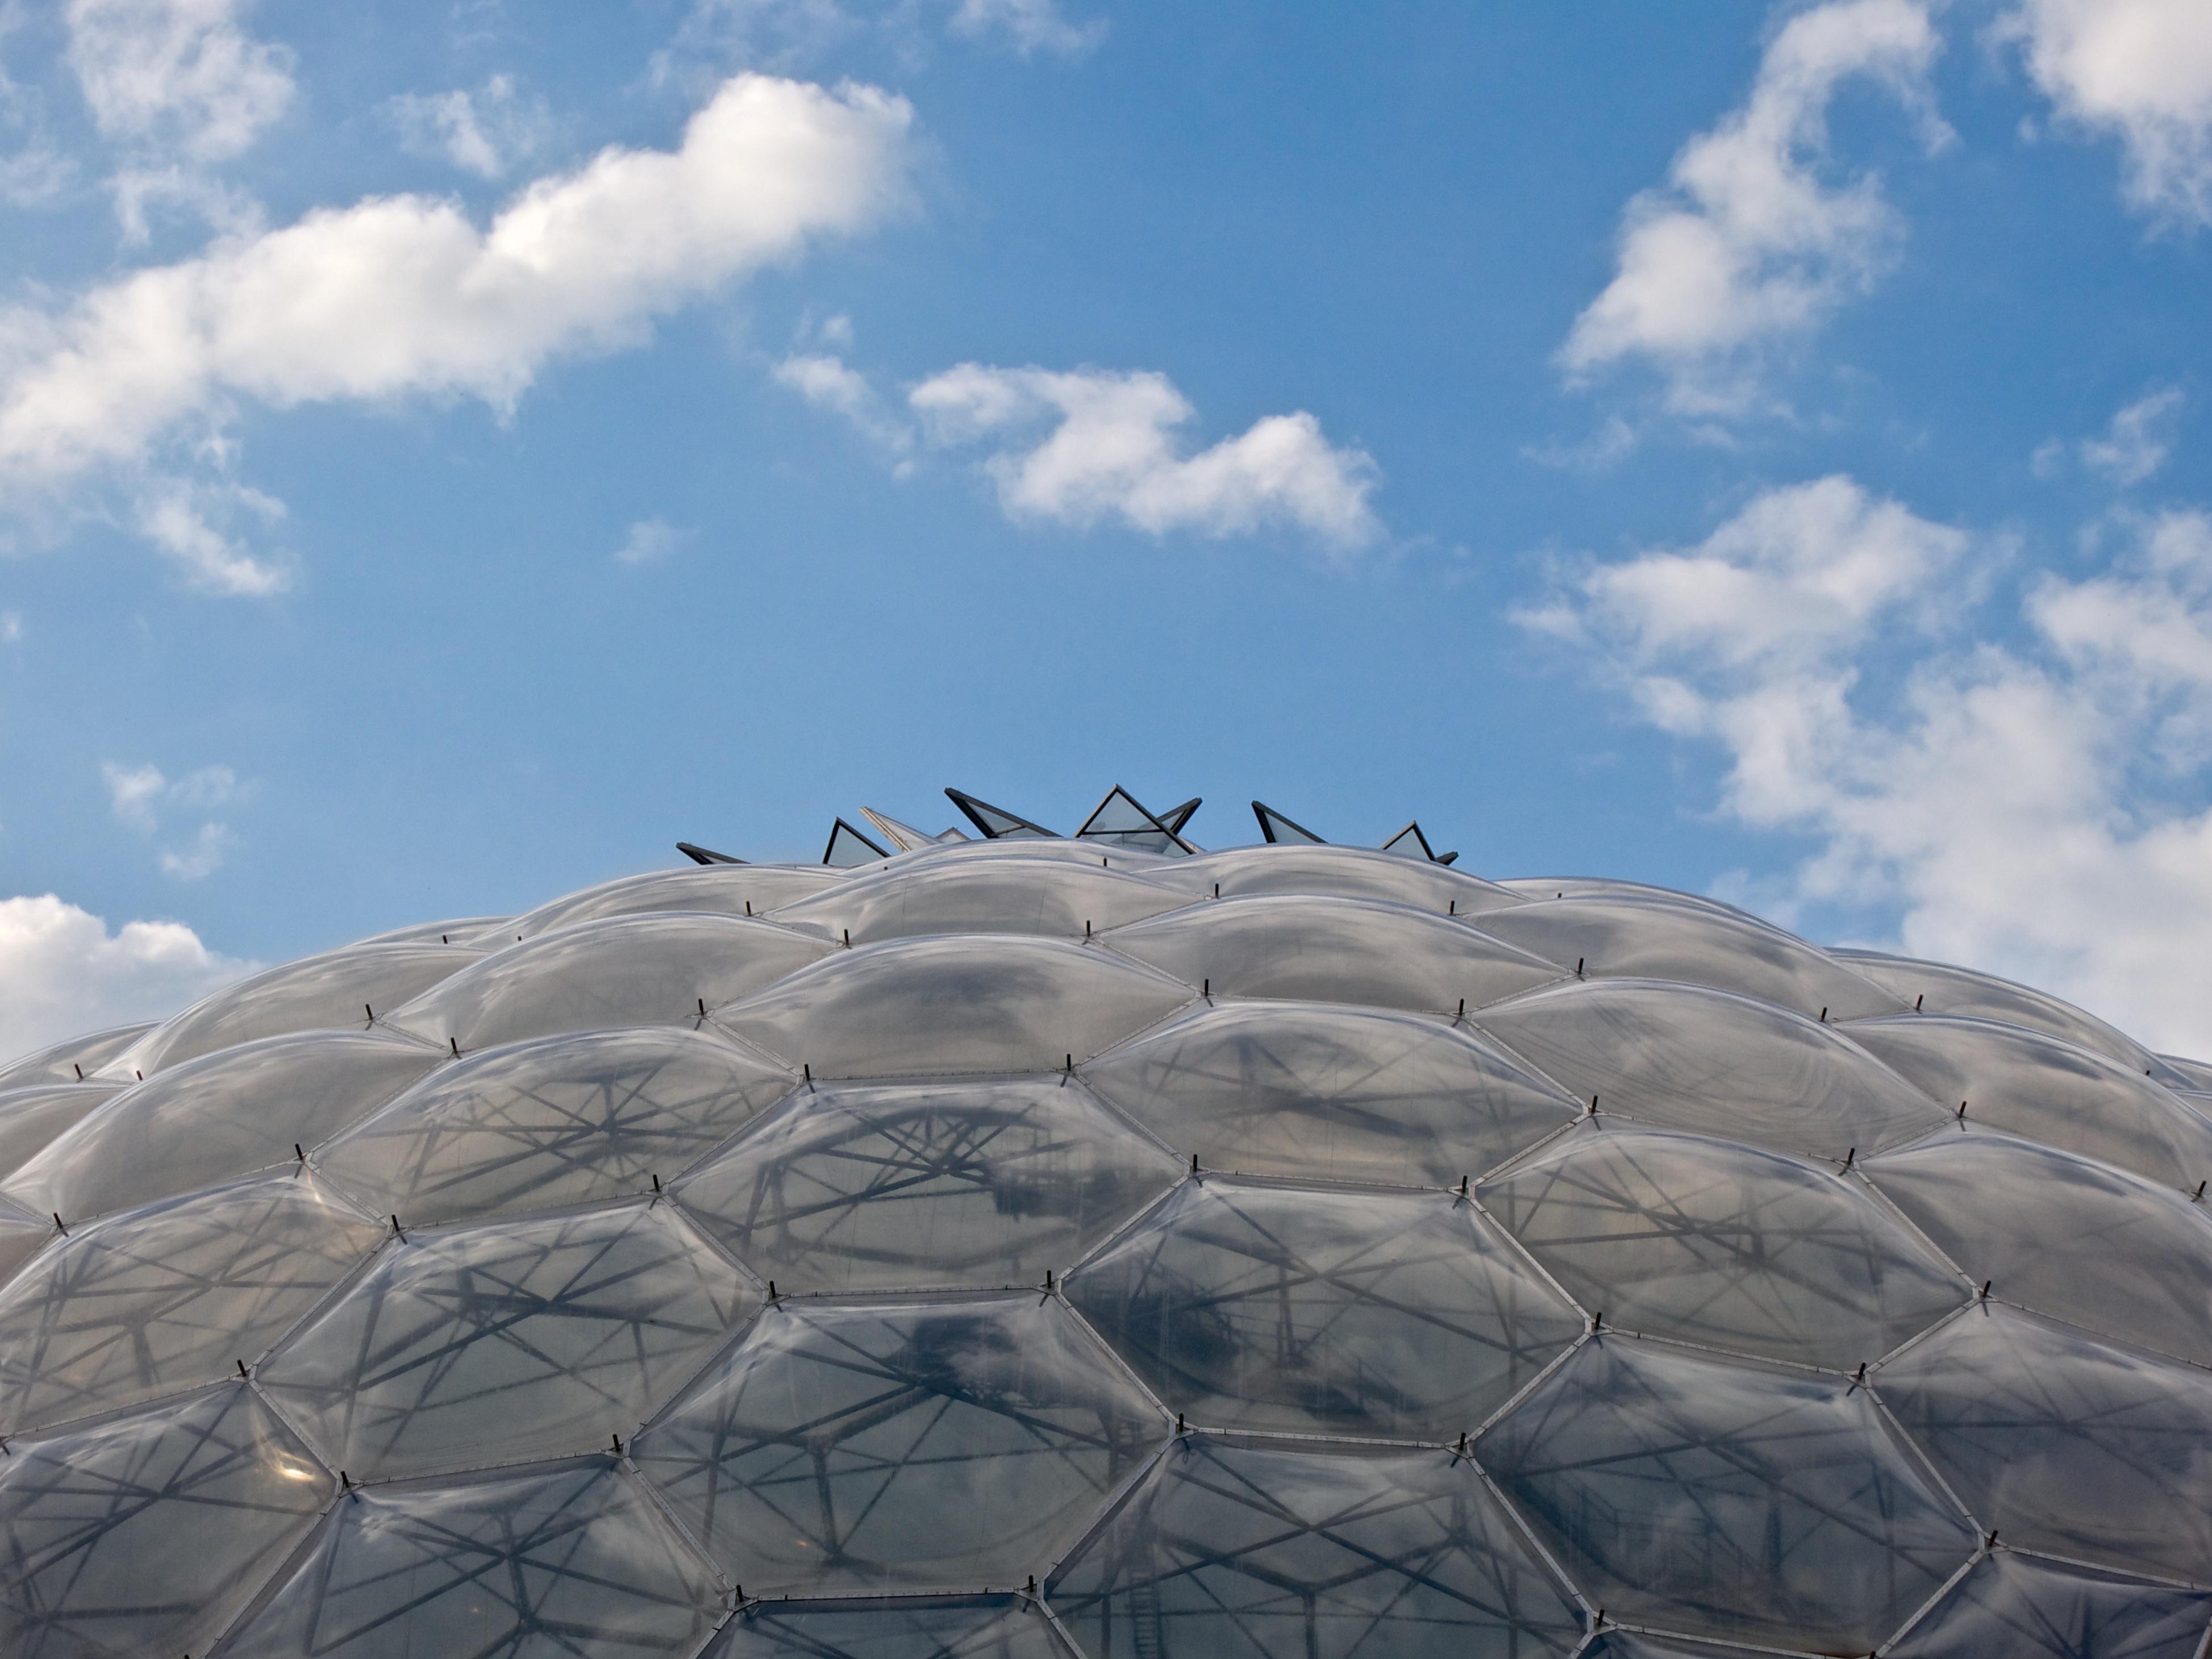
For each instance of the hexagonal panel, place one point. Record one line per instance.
(729, 890)
(32, 1117)
(2069, 1236)
(963, 1627)
(891, 1445)
(1253, 1551)
(1683, 1057)
(2062, 1442)
(68, 1062)
(560, 1121)
(1347, 1094)
(1936, 987)
(1723, 1245)
(1726, 1498)
(206, 1119)
(573, 1561)
(1330, 950)
(2023, 1609)
(513, 1339)
(1354, 872)
(1389, 1315)
(910, 898)
(170, 1297)
(850, 1188)
(141, 1534)
(953, 1006)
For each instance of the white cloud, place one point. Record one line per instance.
(1031, 26)
(201, 856)
(174, 514)
(177, 75)
(1747, 247)
(403, 296)
(1091, 445)
(63, 974)
(2139, 70)
(134, 793)
(825, 381)
(11, 627)
(485, 132)
(2139, 441)
(141, 797)
(2037, 810)
(649, 539)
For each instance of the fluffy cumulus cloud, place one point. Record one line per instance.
(405, 296)
(2038, 811)
(177, 75)
(1092, 445)
(62, 972)
(144, 799)
(2138, 69)
(1747, 245)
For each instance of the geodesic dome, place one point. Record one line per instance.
(1035, 1246)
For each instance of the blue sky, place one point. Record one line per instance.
(450, 453)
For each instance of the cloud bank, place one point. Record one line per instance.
(63, 973)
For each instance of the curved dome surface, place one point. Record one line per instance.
(1055, 1248)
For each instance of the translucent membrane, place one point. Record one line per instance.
(1397, 1316)
(2084, 1241)
(1935, 987)
(2065, 1442)
(724, 889)
(1621, 937)
(1304, 1089)
(558, 1121)
(1250, 1551)
(208, 1120)
(1327, 950)
(1354, 872)
(170, 1297)
(964, 1627)
(512, 1339)
(2023, 1609)
(2195, 1075)
(21, 1236)
(63, 1062)
(1719, 1064)
(628, 971)
(952, 1006)
(888, 1446)
(1545, 887)
(456, 930)
(335, 991)
(1724, 1246)
(575, 1560)
(1726, 1497)
(1010, 894)
(983, 1185)
(143, 1534)
(32, 1117)
(2047, 1089)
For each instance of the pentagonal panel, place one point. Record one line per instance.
(907, 898)
(71, 1061)
(660, 969)
(2022, 1608)
(849, 1189)
(2084, 1241)
(1726, 1498)
(1620, 937)
(171, 1296)
(2062, 1442)
(1726, 1246)
(1248, 1551)
(207, 1120)
(1353, 873)
(963, 1627)
(559, 1120)
(31, 1118)
(513, 1340)
(1718, 1065)
(142, 1534)
(333, 991)
(574, 1560)
(1935, 987)
(1326, 949)
(1394, 1315)
(883, 1446)
(2047, 1089)
(949, 1006)
(729, 890)
(1347, 1094)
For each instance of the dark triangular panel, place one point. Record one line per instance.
(1175, 817)
(995, 822)
(848, 847)
(704, 854)
(1278, 829)
(1121, 819)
